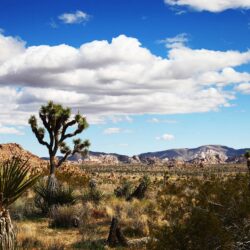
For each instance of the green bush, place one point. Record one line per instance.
(203, 214)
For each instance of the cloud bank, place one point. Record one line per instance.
(211, 5)
(119, 78)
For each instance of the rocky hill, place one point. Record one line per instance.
(105, 158)
(13, 149)
(209, 154)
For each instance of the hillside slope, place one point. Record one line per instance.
(210, 154)
(187, 154)
(13, 149)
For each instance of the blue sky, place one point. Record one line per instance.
(149, 75)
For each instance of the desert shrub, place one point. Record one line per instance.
(91, 245)
(65, 216)
(203, 214)
(93, 194)
(24, 208)
(135, 219)
(29, 238)
(124, 190)
(30, 243)
(132, 216)
(136, 227)
(56, 246)
(30, 210)
(17, 209)
(73, 175)
(86, 229)
(203, 230)
(45, 200)
(98, 213)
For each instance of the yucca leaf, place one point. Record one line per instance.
(14, 179)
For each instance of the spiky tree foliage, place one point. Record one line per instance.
(14, 181)
(57, 122)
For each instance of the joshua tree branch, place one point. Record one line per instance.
(65, 127)
(40, 139)
(64, 158)
(69, 135)
(46, 125)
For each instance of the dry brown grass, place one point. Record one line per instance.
(39, 231)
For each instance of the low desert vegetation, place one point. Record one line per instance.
(210, 213)
(73, 206)
(176, 212)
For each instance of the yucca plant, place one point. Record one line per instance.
(14, 181)
(46, 200)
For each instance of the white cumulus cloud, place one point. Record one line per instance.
(10, 130)
(75, 17)
(175, 42)
(244, 88)
(157, 120)
(109, 131)
(116, 130)
(211, 5)
(166, 137)
(117, 78)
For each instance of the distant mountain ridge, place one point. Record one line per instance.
(188, 154)
(207, 154)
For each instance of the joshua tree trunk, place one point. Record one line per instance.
(52, 181)
(248, 164)
(52, 165)
(116, 236)
(7, 233)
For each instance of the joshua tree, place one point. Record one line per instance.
(247, 156)
(14, 180)
(140, 191)
(57, 121)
